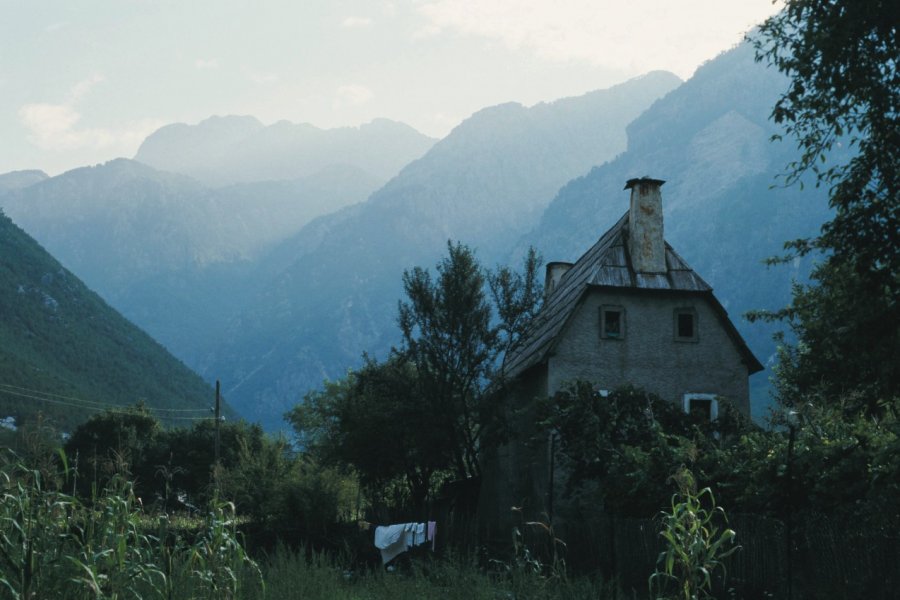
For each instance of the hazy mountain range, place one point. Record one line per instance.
(200, 267)
(285, 279)
(485, 184)
(232, 149)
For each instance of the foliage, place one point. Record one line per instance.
(536, 552)
(54, 546)
(619, 450)
(432, 406)
(848, 348)
(843, 108)
(448, 338)
(174, 470)
(110, 443)
(188, 456)
(695, 547)
(617, 453)
(376, 423)
(517, 296)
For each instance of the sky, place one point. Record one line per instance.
(85, 82)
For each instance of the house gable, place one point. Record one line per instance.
(607, 264)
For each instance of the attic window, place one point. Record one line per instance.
(703, 405)
(685, 325)
(612, 322)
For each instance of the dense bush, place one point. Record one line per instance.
(618, 454)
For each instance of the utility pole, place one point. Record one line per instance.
(218, 419)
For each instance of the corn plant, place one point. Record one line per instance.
(32, 534)
(695, 546)
(216, 565)
(112, 555)
(54, 546)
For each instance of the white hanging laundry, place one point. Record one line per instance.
(393, 540)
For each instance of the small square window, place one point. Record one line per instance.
(705, 406)
(685, 325)
(612, 322)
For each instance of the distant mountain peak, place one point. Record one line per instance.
(15, 180)
(235, 149)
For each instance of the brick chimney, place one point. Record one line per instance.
(645, 223)
(555, 271)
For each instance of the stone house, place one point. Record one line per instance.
(629, 311)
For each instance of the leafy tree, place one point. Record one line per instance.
(188, 455)
(518, 296)
(427, 411)
(114, 442)
(375, 422)
(447, 336)
(842, 57)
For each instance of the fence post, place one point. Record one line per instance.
(789, 522)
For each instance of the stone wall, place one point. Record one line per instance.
(648, 355)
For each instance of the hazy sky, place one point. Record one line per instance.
(85, 81)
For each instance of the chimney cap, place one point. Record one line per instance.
(642, 180)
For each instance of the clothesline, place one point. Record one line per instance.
(393, 540)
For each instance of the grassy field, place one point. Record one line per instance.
(290, 575)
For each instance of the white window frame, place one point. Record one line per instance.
(713, 405)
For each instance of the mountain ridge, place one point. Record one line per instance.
(226, 150)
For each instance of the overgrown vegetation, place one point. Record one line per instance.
(55, 545)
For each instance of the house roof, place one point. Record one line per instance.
(608, 264)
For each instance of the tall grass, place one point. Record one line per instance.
(52, 545)
(296, 575)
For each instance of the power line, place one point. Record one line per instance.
(110, 407)
(96, 403)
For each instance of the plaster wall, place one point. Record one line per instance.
(648, 354)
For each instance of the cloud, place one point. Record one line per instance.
(48, 122)
(637, 35)
(81, 89)
(356, 22)
(352, 95)
(55, 126)
(261, 78)
(206, 63)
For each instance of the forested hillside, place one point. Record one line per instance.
(66, 354)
